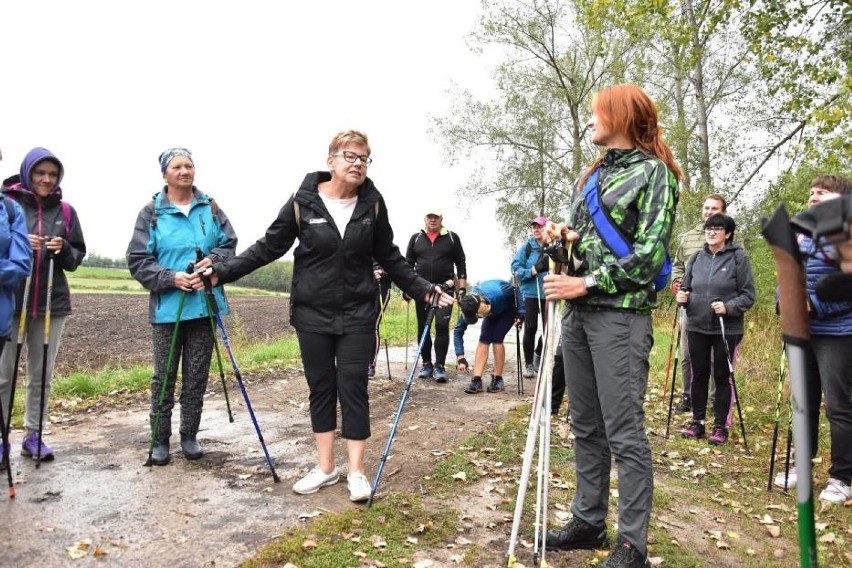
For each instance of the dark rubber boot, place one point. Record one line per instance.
(160, 455)
(191, 448)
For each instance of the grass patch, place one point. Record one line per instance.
(96, 280)
(388, 532)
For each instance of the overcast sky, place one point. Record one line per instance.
(255, 90)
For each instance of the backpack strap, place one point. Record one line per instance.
(66, 216)
(603, 223)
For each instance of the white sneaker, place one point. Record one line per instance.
(315, 480)
(836, 491)
(791, 480)
(359, 487)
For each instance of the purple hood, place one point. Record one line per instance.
(32, 158)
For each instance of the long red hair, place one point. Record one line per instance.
(628, 110)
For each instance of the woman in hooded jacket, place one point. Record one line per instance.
(57, 243)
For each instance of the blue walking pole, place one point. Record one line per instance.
(239, 377)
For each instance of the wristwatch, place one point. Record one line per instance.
(591, 282)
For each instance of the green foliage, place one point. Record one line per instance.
(96, 260)
(275, 276)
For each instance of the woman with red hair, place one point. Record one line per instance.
(606, 330)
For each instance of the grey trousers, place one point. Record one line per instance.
(34, 339)
(606, 373)
(194, 348)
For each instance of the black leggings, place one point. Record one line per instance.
(533, 307)
(701, 347)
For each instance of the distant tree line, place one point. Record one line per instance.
(276, 276)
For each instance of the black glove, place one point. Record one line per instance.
(542, 264)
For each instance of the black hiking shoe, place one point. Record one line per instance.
(497, 384)
(475, 386)
(426, 371)
(625, 555)
(440, 373)
(685, 405)
(577, 534)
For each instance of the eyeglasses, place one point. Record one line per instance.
(352, 157)
(712, 230)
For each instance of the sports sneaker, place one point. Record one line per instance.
(719, 436)
(576, 534)
(836, 491)
(536, 360)
(625, 555)
(529, 371)
(496, 384)
(475, 386)
(791, 479)
(685, 405)
(440, 373)
(693, 431)
(426, 371)
(359, 487)
(371, 371)
(315, 480)
(29, 448)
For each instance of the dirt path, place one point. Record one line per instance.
(97, 498)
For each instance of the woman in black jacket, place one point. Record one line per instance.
(718, 283)
(342, 224)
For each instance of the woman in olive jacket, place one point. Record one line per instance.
(718, 284)
(342, 224)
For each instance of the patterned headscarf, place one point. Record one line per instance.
(167, 156)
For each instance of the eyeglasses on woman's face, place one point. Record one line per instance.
(352, 157)
(713, 230)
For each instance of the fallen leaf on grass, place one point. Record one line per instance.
(309, 544)
(462, 541)
(80, 549)
(655, 560)
(828, 537)
(722, 545)
(424, 564)
(378, 541)
(460, 475)
(412, 540)
(98, 552)
(312, 514)
(774, 531)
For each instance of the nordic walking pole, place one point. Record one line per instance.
(383, 335)
(41, 402)
(430, 315)
(671, 350)
(733, 380)
(164, 379)
(407, 319)
(211, 305)
(5, 435)
(678, 316)
(777, 417)
(230, 352)
(517, 334)
(22, 327)
(543, 391)
(796, 335)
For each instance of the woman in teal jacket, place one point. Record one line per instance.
(169, 232)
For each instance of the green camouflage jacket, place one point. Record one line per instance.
(641, 196)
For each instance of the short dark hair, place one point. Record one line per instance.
(832, 183)
(722, 220)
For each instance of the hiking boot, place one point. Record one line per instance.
(576, 534)
(359, 487)
(784, 480)
(440, 373)
(836, 491)
(160, 454)
(625, 555)
(719, 437)
(315, 480)
(426, 371)
(371, 371)
(693, 431)
(30, 447)
(496, 384)
(475, 386)
(685, 405)
(191, 448)
(529, 371)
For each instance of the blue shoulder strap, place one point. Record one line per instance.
(610, 234)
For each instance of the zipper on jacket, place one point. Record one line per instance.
(203, 229)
